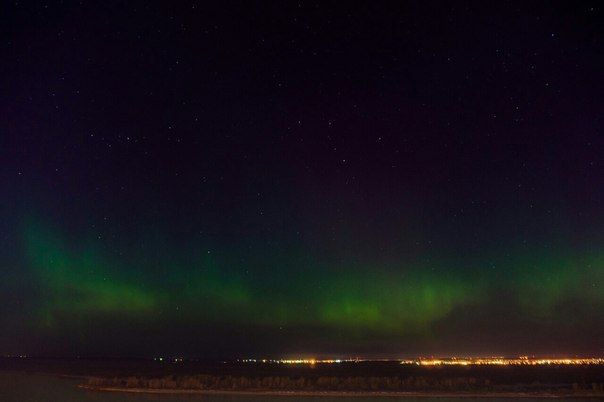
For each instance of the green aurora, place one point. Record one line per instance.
(385, 179)
(78, 280)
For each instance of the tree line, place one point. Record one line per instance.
(333, 383)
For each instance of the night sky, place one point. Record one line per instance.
(301, 179)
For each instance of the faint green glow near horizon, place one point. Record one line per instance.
(394, 303)
(76, 281)
(544, 282)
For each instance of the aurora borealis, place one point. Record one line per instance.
(301, 180)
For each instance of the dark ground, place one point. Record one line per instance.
(221, 375)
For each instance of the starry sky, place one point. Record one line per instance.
(301, 179)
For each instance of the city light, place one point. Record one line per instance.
(299, 361)
(450, 361)
(503, 361)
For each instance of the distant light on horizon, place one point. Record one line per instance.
(451, 361)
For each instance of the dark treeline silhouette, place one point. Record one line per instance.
(345, 377)
(334, 383)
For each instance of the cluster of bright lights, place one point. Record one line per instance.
(452, 361)
(298, 361)
(169, 359)
(503, 361)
